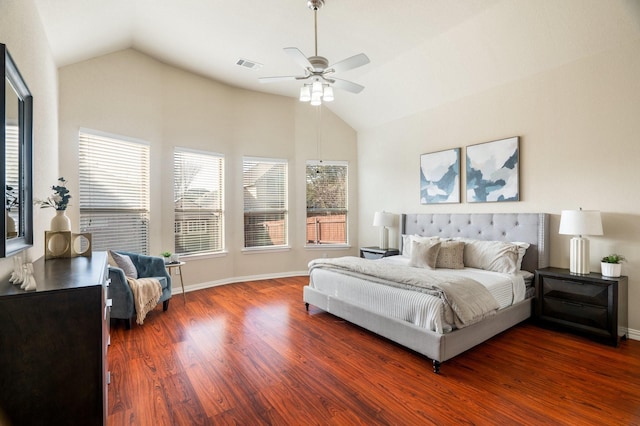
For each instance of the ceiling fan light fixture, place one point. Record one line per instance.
(316, 88)
(305, 93)
(316, 99)
(328, 94)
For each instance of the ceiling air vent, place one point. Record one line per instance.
(248, 64)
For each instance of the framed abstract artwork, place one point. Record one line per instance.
(492, 171)
(440, 177)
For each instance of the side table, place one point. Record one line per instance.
(377, 252)
(177, 265)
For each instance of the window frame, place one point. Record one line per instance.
(346, 243)
(219, 210)
(266, 210)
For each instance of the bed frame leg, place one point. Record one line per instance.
(306, 305)
(436, 366)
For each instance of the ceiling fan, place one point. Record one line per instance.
(317, 70)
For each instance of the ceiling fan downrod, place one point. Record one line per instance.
(315, 5)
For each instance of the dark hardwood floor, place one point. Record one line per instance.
(250, 354)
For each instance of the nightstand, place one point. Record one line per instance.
(586, 304)
(377, 252)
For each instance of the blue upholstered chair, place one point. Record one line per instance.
(120, 293)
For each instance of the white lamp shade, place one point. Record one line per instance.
(328, 94)
(580, 222)
(305, 94)
(383, 219)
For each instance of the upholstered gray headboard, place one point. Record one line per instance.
(532, 228)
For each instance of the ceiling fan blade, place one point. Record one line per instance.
(349, 86)
(350, 63)
(298, 57)
(277, 79)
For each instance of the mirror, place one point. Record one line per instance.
(16, 113)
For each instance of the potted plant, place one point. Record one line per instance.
(612, 265)
(167, 256)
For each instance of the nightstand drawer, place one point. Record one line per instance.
(575, 313)
(575, 291)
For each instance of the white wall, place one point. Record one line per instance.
(579, 126)
(22, 32)
(128, 93)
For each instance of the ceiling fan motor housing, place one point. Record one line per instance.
(319, 63)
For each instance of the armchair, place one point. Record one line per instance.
(120, 293)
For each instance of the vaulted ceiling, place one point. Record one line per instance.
(423, 52)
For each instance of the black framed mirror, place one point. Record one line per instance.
(16, 130)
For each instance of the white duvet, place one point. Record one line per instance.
(420, 309)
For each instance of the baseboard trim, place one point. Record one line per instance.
(176, 289)
(633, 334)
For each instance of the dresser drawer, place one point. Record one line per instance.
(576, 313)
(576, 291)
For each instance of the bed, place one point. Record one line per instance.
(360, 298)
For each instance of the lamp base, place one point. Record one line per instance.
(579, 260)
(384, 238)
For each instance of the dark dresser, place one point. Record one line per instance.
(53, 344)
(592, 305)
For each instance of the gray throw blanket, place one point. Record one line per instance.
(466, 301)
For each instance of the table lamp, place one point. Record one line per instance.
(383, 219)
(579, 223)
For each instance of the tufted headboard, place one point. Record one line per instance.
(532, 228)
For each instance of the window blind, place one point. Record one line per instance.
(265, 202)
(326, 202)
(198, 194)
(114, 192)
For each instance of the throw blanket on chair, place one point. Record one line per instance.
(146, 294)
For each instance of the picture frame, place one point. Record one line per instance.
(440, 177)
(492, 171)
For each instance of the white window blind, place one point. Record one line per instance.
(198, 194)
(327, 202)
(265, 202)
(114, 192)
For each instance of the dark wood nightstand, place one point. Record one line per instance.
(586, 304)
(377, 252)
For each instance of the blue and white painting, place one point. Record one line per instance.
(492, 171)
(440, 177)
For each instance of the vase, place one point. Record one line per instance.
(60, 221)
(611, 269)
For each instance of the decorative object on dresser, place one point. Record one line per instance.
(579, 223)
(592, 305)
(440, 177)
(54, 359)
(492, 171)
(612, 265)
(383, 220)
(377, 252)
(61, 244)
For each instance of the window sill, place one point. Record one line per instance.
(202, 256)
(327, 246)
(265, 249)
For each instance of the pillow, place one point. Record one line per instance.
(124, 262)
(497, 256)
(522, 249)
(406, 242)
(424, 254)
(451, 255)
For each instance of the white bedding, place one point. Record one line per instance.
(420, 309)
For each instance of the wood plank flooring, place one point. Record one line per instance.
(249, 354)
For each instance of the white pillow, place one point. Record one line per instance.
(522, 249)
(424, 254)
(406, 242)
(497, 256)
(125, 263)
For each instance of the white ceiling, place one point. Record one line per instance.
(423, 52)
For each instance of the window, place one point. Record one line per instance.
(114, 192)
(198, 194)
(326, 202)
(265, 202)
